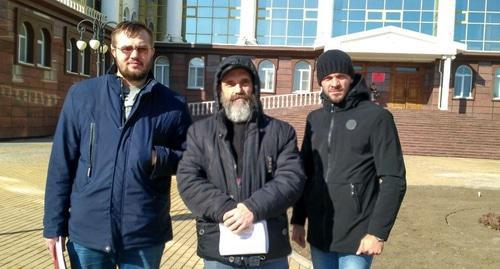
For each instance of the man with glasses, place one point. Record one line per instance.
(118, 141)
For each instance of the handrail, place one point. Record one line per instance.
(83, 9)
(268, 102)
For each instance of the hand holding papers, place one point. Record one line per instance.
(60, 263)
(255, 241)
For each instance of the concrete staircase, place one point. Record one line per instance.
(425, 132)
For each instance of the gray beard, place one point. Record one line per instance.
(238, 113)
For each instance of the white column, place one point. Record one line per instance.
(445, 85)
(325, 22)
(174, 22)
(446, 20)
(248, 20)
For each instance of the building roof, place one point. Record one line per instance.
(394, 44)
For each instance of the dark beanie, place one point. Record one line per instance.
(333, 61)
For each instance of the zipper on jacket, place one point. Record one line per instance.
(91, 148)
(234, 166)
(330, 134)
(354, 195)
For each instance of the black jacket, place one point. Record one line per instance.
(355, 172)
(272, 176)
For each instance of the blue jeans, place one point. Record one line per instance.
(336, 260)
(85, 258)
(280, 263)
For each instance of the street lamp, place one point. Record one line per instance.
(97, 42)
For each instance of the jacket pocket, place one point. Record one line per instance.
(92, 134)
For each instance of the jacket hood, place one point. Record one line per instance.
(359, 91)
(230, 63)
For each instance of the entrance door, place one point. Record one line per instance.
(405, 90)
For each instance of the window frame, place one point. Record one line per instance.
(165, 70)
(31, 29)
(496, 84)
(264, 75)
(301, 81)
(461, 82)
(196, 75)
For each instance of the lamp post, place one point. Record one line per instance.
(97, 43)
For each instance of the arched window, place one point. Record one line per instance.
(134, 16)
(302, 77)
(25, 40)
(71, 56)
(196, 73)
(162, 70)
(496, 90)
(126, 14)
(44, 48)
(463, 82)
(266, 74)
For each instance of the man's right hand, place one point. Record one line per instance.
(299, 235)
(51, 245)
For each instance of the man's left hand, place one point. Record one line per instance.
(239, 219)
(370, 245)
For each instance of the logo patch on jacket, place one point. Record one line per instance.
(351, 124)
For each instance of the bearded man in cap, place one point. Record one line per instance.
(240, 168)
(355, 171)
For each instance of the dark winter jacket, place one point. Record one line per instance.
(101, 188)
(355, 172)
(272, 177)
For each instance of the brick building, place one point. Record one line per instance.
(40, 62)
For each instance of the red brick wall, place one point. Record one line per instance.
(31, 96)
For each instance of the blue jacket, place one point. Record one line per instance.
(101, 187)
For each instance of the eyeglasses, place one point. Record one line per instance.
(127, 50)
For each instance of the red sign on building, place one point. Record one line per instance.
(378, 77)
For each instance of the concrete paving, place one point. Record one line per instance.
(23, 168)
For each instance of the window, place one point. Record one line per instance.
(134, 16)
(496, 90)
(477, 24)
(25, 46)
(266, 74)
(351, 16)
(211, 21)
(286, 22)
(126, 14)
(463, 82)
(196, 73)
(162, 70)
(71, 56)
(44, 48)
(302, 77)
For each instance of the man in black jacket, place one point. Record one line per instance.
(240, 167)
(355, 171)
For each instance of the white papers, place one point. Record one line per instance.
(60, 263)
(255, 241)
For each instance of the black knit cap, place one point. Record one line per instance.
(333, 61)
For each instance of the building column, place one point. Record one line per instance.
(445, 83)
(446, 21)
(325, 22)
(248, 20)
(174, 22)
(112, 10)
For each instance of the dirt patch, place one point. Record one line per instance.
(438, 227)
